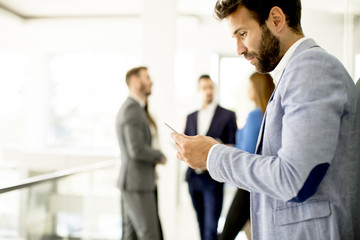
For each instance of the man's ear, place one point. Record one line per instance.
(133, 81)
(276, 20)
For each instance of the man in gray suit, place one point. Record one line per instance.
(138, 160)
(303, 178)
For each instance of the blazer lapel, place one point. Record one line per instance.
(261, 132)
(309, 43)
(142, 114)
(196, 122)
(213, 121)
(260, 137)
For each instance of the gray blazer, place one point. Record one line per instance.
(304, 178)
(137, 171)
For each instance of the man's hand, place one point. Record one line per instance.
(162, 162)
(193, 150)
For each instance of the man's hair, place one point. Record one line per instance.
(204, 76)
(132, 72)
(260, 10)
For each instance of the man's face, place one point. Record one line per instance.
(255, 42)
(206, 89)
(145, 82)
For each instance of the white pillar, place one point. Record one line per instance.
(159, 48)
(37, 100)
(349, 40)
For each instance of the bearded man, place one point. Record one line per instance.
(304, 175)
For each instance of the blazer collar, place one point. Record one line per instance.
(308, 43)
(214, 119)
(216, 113)
(137, 99)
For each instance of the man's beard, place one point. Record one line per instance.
(269, 52)
(209, 100)
(144, 91)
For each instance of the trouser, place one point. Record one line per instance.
(207, 198)
(239, 213)
(140, 216)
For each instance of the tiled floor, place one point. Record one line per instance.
(177, 214)
(183, 226)
(187, 228)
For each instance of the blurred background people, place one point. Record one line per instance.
(217, 122)
(138, 160)
(260, 89)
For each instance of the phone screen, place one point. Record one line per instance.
(171, 128)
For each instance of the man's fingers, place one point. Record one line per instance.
(178, 147)
(181, 141)
(186, 136)
(176, 137)
(179, 138)
(179, 156)
(179, 150)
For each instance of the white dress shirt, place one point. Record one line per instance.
(277, 72)
(137, 99)
(205, 116)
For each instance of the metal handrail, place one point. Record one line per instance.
(56, 175)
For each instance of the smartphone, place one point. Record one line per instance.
(171, 128)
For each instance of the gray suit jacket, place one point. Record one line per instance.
(137, 171)
(304, 178)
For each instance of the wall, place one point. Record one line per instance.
(357, 46)
(11, 28)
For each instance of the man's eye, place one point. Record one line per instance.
(242, 34)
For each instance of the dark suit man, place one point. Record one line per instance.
(138, 159)
(207, 194)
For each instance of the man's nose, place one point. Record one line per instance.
(240, 47)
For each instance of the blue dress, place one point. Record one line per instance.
(246, 138)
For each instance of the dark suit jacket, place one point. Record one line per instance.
(223, 127)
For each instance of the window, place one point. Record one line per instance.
(234, 76)
(12, 99)
(357, 67)
(85, 93)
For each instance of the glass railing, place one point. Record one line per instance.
(79, 203)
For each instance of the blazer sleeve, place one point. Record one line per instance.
(312, 96)
(137, 146)
(187, 126)
(190, 126)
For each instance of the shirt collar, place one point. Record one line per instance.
(277, 72)
(210, 107)
(137, 99)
